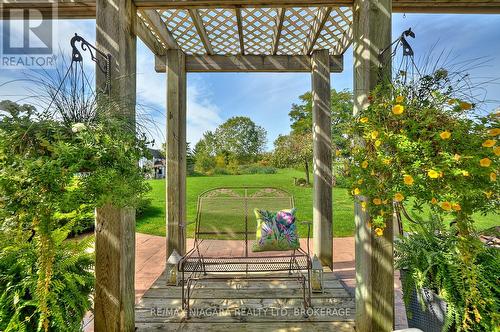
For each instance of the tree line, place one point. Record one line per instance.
(238, 145)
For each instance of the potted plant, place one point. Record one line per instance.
(436, 280)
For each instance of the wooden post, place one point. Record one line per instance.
(115, 227)
(322, 158)
(374, 255)
(176, 151)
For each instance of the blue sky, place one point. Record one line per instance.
(267, 97)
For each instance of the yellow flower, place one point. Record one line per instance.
(398, 197)
(496, 150)
(408, 180)
(451, 101)
(377, 143)
(488, 194)
(337, 152)
(398, 109)
(446, 206)
(457, 157)
(364, 164)
(434, 200)
(400, 99)
(445, 135)
(360, 181)
(356, 191)
(456, 207)
(465, 106)
(493, 176)
(363, 120)
(385, 201)
(386, 161)
(465, 173)
(377, 201)
(485, 162)
(494, 132)
(374, 134)
(433, 174)
(489, 143)
(379, 231)
(363, 206)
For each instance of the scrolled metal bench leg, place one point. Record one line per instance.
(291, 262)
(309, 266)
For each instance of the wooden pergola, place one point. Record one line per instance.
(243, 36)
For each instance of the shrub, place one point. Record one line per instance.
(257, 169)
(220, 171)
(204, 163)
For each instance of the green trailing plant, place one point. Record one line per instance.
(433, 258)
(52, 171)
(23, 295)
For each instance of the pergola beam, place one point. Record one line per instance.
(373, 254)
(250, 63)
(322, 158)
(277, 29)
(424, 6)
(317, 26)
(200, 28)
(147, 37)
(159, 28)
(239, 23)
(115, 226)
(176, 153)
(86, 8)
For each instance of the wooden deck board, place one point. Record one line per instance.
(246, 305)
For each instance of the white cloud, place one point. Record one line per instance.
(202, 113)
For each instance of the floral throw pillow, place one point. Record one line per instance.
(276, 231)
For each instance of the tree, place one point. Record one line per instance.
(190, 159)
(341, 110)
(240, 137)
(293, 150)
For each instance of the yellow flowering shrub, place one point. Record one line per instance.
(420, 140)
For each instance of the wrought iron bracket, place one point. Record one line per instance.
(103, 62)
(407, 50)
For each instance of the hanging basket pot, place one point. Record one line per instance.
(432, 317)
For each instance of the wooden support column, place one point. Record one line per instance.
(322, 158)
(176, 151)
(115, 227)
(374, 255)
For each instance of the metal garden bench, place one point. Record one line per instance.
(228, 213)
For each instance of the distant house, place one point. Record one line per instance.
(154, 168)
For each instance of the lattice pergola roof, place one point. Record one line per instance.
(253, 31)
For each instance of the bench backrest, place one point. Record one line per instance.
(228, 213)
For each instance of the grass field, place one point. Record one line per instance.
(152, 221)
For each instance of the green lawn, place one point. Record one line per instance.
(152, 221)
